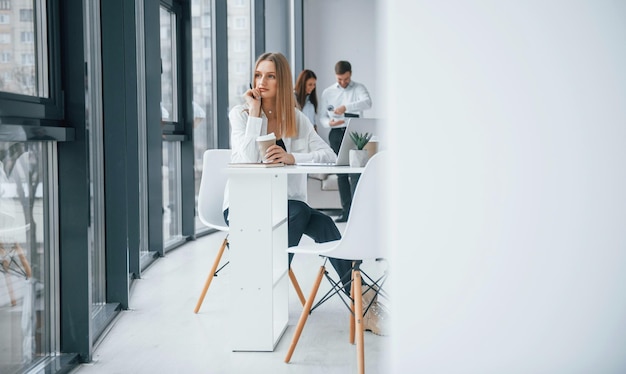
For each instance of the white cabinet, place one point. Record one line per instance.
(258, 253)
(259, 262)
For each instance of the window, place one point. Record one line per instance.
(203, 128)
(241, 45)
(239, 50)
(26, 15)
(27, 37)
(242, 68)
(169, 79)
(171, 119)
(240, 23)
(27, 59)
(5, 4)
(26, 298)
(5, 58)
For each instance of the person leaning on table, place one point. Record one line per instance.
(339, 100)
(270, 107)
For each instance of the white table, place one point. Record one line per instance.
(258, 259)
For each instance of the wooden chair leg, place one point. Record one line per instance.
(209, 279)
(358, 313)
(352, 310)
(296, 286)
(305, 314)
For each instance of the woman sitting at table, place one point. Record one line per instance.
(270, 107)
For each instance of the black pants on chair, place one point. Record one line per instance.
(304, 220)
(345, 182)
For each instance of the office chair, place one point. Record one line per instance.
(210, 213)
(361, 241)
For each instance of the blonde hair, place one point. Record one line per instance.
(285, 100)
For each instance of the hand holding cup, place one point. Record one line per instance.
(264, 142)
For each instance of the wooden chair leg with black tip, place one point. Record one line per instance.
(212, 274)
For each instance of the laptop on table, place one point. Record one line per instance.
(360, 125)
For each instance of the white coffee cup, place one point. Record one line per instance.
(264, 142)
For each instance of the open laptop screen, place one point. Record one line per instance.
(360, 125)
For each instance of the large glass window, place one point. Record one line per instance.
(23, 63)
(93, 127)
(28, 241)
(172, 214)
(172, 221)
(202, 63)
(27, 256)
(142, 132)
(239, 49)
(169, 107)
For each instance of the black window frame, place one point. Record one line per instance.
(19, 109)
(174, 129)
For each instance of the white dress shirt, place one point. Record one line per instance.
(307, 146)
(309, 110)
(355, 97)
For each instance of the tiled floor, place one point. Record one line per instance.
(161, 334)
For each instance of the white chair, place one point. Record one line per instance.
(361, 241)
(210, 212)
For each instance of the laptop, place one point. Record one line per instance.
(360, 125)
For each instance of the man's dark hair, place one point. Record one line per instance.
(343, 67)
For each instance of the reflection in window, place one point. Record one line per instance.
(202, 60)
(25, 256)
(172, 221)
(169, 111)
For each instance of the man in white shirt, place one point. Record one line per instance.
(346, 98)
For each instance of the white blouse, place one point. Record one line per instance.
(307, 146)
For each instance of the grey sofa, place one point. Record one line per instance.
(323, 192)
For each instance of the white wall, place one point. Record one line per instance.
(507, 198)
(342, 30)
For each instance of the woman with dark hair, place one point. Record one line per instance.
(306, 95)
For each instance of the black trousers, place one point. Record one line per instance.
(304, 220)
(345, 182)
